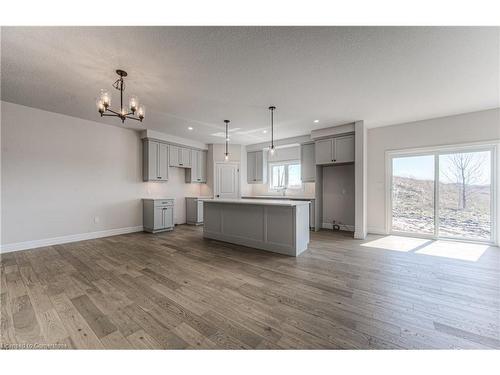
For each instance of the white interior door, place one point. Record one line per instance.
(227, 177)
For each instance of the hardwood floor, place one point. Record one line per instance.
(177, 290)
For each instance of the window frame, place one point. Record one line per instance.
(286, 164)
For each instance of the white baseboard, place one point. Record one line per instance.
(16, 246)
(375, 230)
(346, 227)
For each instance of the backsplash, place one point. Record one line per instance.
(308, 190)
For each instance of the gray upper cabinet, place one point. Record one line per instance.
(344, 149)
(335, 150)
(307, 163)
(203, 163)
(198, 171)
(324, 151)
(155, 161)
(173, 156)
(180, 157)
(257, 167)
(185, 157)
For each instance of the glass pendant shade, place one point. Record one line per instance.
(105, 98)
(272, 150)
(133, 103)
(100, 105)
(141, 112)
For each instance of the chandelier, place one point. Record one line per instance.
(133, 111)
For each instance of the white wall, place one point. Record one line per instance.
(465, 128)
(59, 173)
(338, 195)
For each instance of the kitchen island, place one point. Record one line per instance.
(280, 226)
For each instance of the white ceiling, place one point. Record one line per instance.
(199, 76)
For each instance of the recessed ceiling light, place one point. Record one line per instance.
(316, 121)
(190, 128)
(264, 131)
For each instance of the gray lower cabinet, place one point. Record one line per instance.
(257, 167)
(335, 150)
(194, 211)
(155, 161)
(158, 215)
(307, 163)
(198, 171)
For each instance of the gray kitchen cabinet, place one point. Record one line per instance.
(180, 157)
(203, 163)
(185, 155)
(173, 156)
(257, 167)
(154, 161)
(158, 215)
(198, 171)
(324, 151)
(307, 163)
(335, 150)
(194, 211)
(344, 149)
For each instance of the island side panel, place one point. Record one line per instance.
(280, 225)
(302, 229)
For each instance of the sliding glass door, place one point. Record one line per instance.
(443, 194)
(413, 194)
(465, 195)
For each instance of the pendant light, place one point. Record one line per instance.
(271, 150)
(226, 154)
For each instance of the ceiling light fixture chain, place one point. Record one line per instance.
(226, 154)
(272, 108)
(134, 111)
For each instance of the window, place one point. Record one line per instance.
(444, 193)
(285, 175)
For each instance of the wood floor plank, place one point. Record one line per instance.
(115, 340)
(99, 323)
(141, 340)
(25, 323)
(80, 332)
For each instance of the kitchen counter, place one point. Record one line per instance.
(265, 202)
(286, 197)
(280, 226)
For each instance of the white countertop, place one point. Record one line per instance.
(260, 202)
(157, 199)
(287, 197)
